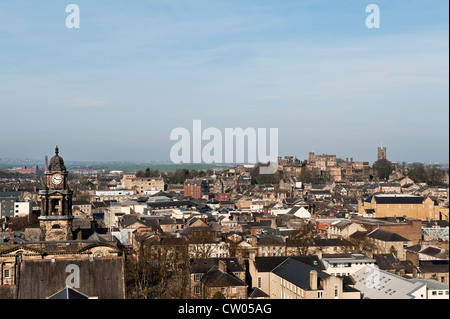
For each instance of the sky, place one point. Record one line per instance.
(114, 88)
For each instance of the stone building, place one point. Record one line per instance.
(213, 277)
(400, 205)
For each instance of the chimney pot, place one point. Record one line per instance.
(222, 266)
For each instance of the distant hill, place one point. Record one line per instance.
(165, 168)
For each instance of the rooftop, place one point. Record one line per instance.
(375, 283)
(298, 273)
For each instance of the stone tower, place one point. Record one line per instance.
(56, 202)
(382, 153)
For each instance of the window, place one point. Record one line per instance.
(434, 293)
(197, 290)
(6, 273)
(320, 294)
(197, 277)
(259, 282)
(336, 291)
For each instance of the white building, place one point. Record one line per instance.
(22, 209)
(435, 289)
(375, 283)
(345, 264)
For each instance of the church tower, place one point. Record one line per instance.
(56, 202)
(382, 153)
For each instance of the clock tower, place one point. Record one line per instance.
(56, 202)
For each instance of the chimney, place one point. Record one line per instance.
(313, 280)
(222, 266)
(11, 236)
(273, 224)
(319, 254)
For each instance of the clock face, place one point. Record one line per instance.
(56, 179)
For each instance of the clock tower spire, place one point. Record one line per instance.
(56, 202)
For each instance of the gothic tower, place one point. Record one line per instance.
(56, 202)
(382, 153)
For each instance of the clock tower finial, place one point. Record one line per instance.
(56, 150)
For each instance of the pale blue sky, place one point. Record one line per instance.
(115, 88)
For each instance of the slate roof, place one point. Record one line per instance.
(179, 203)
(267, 264)
(298, 273)
(270, 241)
(434, 266)
(68, 293)
(435, 252)
(203, 265)
(385, 235)
(388, 262)
(257, 293)
(217, 278)
(399, 199)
